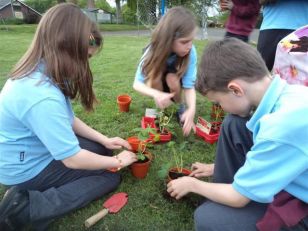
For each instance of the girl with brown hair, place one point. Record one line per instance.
(168, 65)
(51, 161)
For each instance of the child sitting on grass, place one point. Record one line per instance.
(52, 162)
(233, 74)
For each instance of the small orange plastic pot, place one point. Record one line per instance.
(124, 102)
(136, 144)
(140, 169)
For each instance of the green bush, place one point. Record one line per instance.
(129, 16)
(14, 21)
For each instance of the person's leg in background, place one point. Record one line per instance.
(267, 44)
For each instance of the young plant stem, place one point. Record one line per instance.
(181, 163)
(164, 120)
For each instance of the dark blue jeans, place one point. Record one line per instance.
(234, 142)
(58, 190)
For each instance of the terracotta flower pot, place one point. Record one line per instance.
(136, 144)
(174, 173)
(124, 102)
(141, 169)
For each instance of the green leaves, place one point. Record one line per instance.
(183, 145)
(140, 156)
(164, 117)
(177, 150)
(163, 172)
(144, 133)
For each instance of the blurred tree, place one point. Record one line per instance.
(90, 4)
(132, 5)
(104, 5)
(118, 11)
(129, 15)
(42, 5)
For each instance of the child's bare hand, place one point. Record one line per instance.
(201, 170)
(116, 143)
(163, 99)
(180, 187)
(188, 119)
(127, 158)
(227, 4)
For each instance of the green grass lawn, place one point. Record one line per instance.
(30, 28)
(114, 68)
(120, 27)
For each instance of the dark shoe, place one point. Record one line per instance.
(14, 201)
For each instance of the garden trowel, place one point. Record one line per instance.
(112, 205)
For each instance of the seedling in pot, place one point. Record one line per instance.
(145, 141)
(178, 169)
(177, 154)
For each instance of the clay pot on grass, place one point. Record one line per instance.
(124, 102)
(136, 144)
(141, 168)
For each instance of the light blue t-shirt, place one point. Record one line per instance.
(278, 159)
(189, 77)
(35, 127)
(285, 14)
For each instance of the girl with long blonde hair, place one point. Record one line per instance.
(168, 65)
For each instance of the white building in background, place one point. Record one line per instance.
(98, 15)
(103, 17)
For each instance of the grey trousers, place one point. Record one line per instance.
(58, 190)
(234, 142)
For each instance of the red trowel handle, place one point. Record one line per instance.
(95, 218)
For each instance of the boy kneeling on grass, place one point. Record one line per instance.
(270, 174)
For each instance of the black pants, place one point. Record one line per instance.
(58, 190)
(267, 44)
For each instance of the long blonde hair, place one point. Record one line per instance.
(177, 23)
(61, 42)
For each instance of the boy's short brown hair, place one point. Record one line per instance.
(228, 59)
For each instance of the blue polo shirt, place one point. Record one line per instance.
(285, 14)
(278, 159)
(189, 77)
(35, 127)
